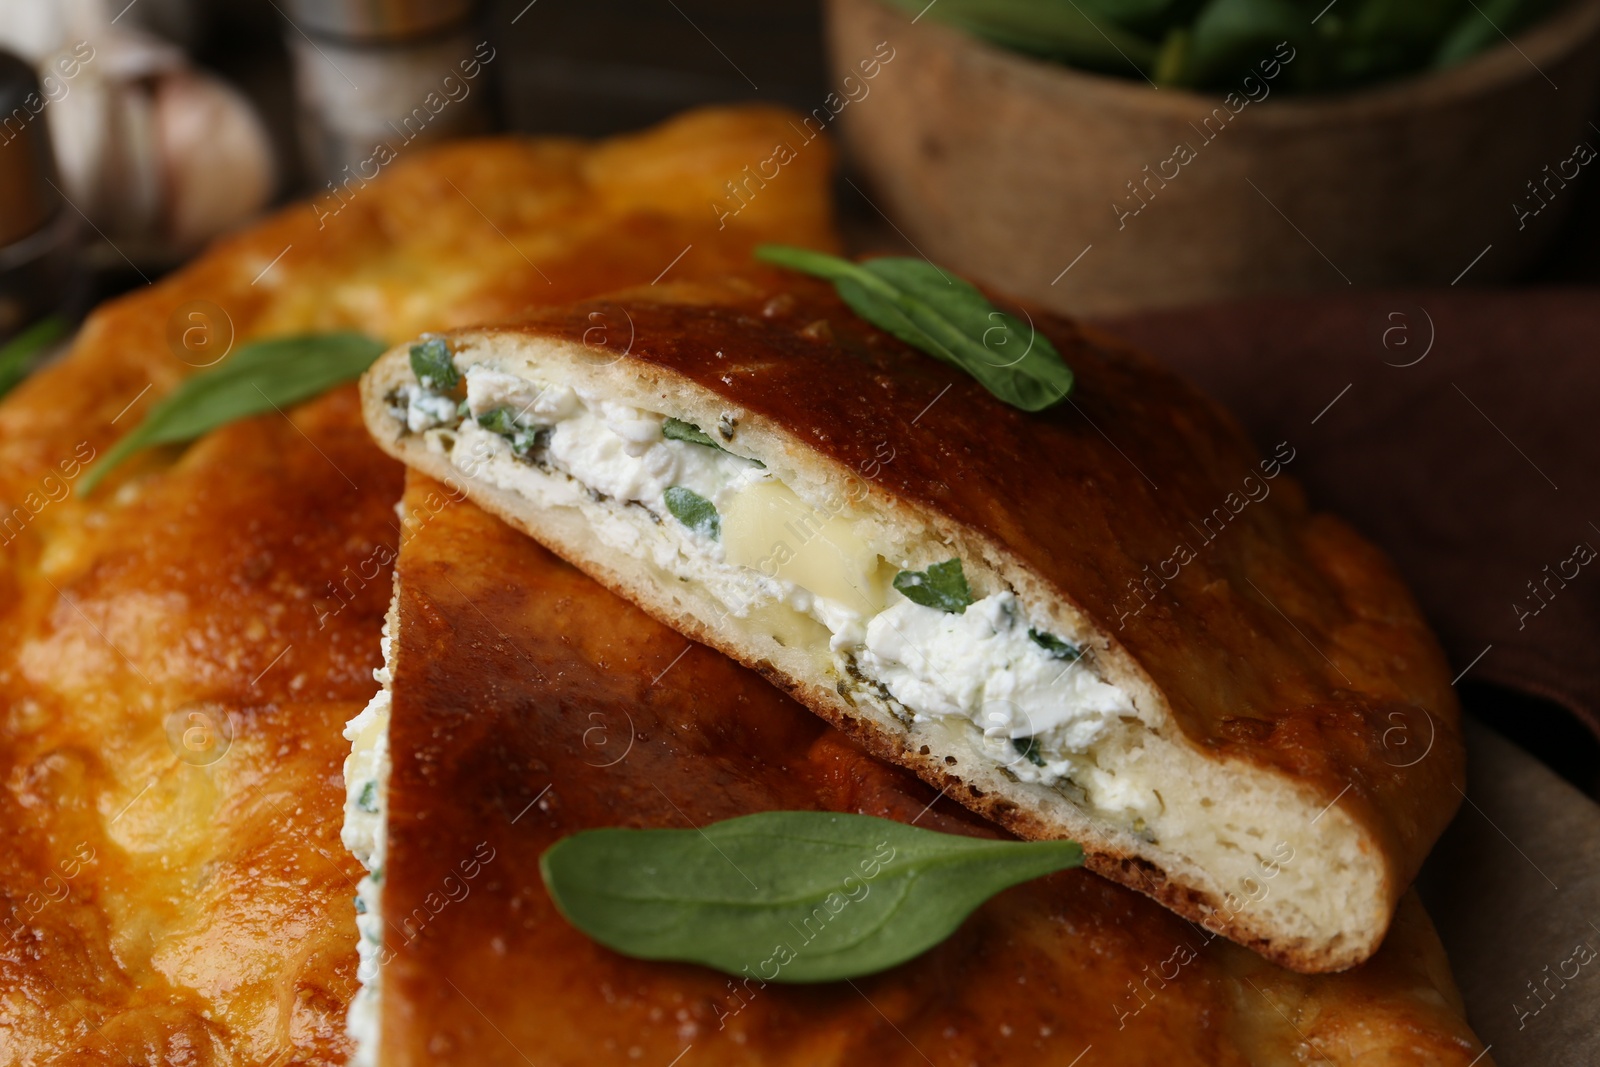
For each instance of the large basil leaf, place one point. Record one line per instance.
(786, 896)
(259, 377)
(944, 316)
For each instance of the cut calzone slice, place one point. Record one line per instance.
(1112, 621)
(521, 703)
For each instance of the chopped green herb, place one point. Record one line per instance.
(500, 421)
(1029, 747)
(694, 511)
(361, 906)
(948, 318)
(1052, 644)
(431, 363)
(942, 586)
(367, 801)
(258, 377)
(853, 894)
(525, 442)
(678, 430)
(464, 408)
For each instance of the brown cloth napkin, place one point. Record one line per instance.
(1459, 429)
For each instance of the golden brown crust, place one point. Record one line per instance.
(1284, 641)
(529, 703)
(148, 896)
(214, 923)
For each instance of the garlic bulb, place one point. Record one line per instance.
(158, 156)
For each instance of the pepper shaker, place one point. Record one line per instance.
(376, 78)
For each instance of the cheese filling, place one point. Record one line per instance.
(366, 782)
(666, 492)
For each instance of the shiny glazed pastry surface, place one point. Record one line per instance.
(530, 703)
(166, 899)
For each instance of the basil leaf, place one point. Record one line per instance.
(499, 420)
(942, 586)
(368, 800)
(258, 377)
(1028, 747)
(17, 353)
(431, 363)
(678, 430)
(1052, 644)
(944, 316)
(786, 896)
(694, 511)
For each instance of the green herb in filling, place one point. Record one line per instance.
(942, 586)
(367, 801)
(1029, 747)
(431, 363)
(678, 430)
(361, 906)
(694, 511)
(525, 440)
(1052, 644)
(500, 421)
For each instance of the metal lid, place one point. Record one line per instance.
(377, 19)
(27, 162)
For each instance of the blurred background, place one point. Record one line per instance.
(193, 115)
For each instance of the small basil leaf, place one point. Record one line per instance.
(942, 586)
(1028, 747)
(1052, 644)
(500, 421)
(258, 377)
(678, 430)
(944, 316)
(17, 354)
(694, 511)
(814, 896)
(431, 363)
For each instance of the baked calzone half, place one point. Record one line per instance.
(1112, 620)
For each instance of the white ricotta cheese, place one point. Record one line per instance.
(423, 410)
(366, 781)
(981, 665)
(1039, 715)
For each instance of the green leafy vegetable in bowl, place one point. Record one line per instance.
(1214, 44)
